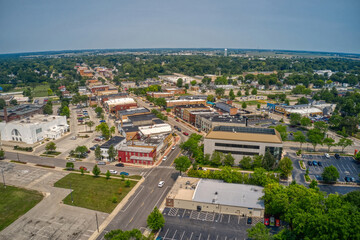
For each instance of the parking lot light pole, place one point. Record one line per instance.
(2, 172)
(72, 200)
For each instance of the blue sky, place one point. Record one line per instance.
(316, 25)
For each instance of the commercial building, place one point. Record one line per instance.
(129, 132)
(116, 142)
(175, 91)
(216, 196)
(137, 155)
(206, 122)
(34, 129)
(303, 110)
(94, 89)
(104, 98)
(153, 130)
(160, 94)
(20, 112)
(118, 104)
(226, 108)
(182, 111)
(173, 103)
(190, 97)
(107, 92)
(126, 85)
(124, 114)
(243, 141)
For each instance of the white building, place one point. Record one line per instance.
(34, 129)
(155, 129)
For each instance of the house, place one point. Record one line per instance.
(116, 142)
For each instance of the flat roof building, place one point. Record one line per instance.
(114, 105)
(156, 129)
(173, 103)
(243, 141)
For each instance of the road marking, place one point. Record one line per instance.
(131, 219)
(175, 158)
(229, 219)
(225, 237)
(200, 236)
(183, 214)
(191, 235)
(160, 197)
(38, 180)
(152, 191)
(142, 187)
(182, 235)
(217, 236)
(174, 234)
(208, 237)
(166, 233)
(142, 204)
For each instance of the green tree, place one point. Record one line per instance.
(81, 150)
(238, 93)
(313, 184)
(96, 170)
(50, 147)
(286, 166)
(48, 108)
(193, 82)
(13, 102)
(329, 142)
(108, 174)
(179, 82)
(231, 94)
(268, 161)
(127, 183)
(247, 92)
(155, 220)
(345, 142)
(300, 137)
(65, 111)
(210, 98)
(244, 105)
(216, 158)
(2, 103)
(112, 131)
(99, 111)
(305, 122)
(182, 163)
(258, 106)
(295, 119)
(50, 92)
(112, 152)
(302, 100)
(315, 137)
(259, 232)
(69, 165)
(220, 92)
(90, 124)
(254, 91)
(322, 126)
(82, 170)
(246, 163)
(229, 160)
(282, 129)
(98, 152)
(118, 234)
(330, 174)
(104, 129)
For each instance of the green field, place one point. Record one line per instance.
(15, 202)
(41, 90)
(96, 193)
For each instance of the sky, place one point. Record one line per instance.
(46, 25)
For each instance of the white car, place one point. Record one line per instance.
(173, 148)
(327, 155)
(72, 160)
(164, 158)
(161, 184)
(113, 171)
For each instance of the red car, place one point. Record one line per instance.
(266, 221)
(277, 222)
(185, 133)
(177, 120)
(83, 168)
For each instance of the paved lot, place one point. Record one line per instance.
(50, 219)
(184, 224)
(346, 166)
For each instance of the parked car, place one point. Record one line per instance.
(102, 163)
(161, 184)
(72, 160)
(352, 179)
(347, 179)
(327, 155)
(319, 178)
(177, 120)
(272, 221)
(337, 156)
(249, 220)
(173, 148)
(164, 158)
(310, 163)
(119, 165)
(73, 138)
(266, 221)
(94, 147)
(102, 121)
(277, 222)
(319, 163)
(113, 171)
(83, 168)
(185, 133)
(314, 163)
(124, 173)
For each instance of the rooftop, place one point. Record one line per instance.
(113, 141)
(120, 101)
(133, 111)
(142, 117)
(136, 149)
(186, 100)
(21, 109)
(224, 118)
(224, 106)
(155, 129)
(193, 97)
(131, 129)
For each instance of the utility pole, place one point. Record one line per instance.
(2, 171)
(72, 199)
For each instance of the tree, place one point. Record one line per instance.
(329, 142)
(65, 111)
(50, 92)
(345, 142)
(286, 166)
(228, 160)
(244, 105)
(302, 100)
(258, 106)
(315, 137)
(179, 82)
(254, 91)
(231, 94)
(127, 183)
(299, 137)
(322, 126)
(112, 131)
(96, 170)
(182, 163)
(99, 111)
(2, 103)
(112, 152)
(295, 119)
(216, 158)
(219, 92)
(108, 174)
(155, 220)
(69, 165)
(313, 184)
(259, 232)
(48, 108)
(98, 152)
(50, 147)
(245, 163)
(330, 174)
(104, 129)
(13, 102)
(90, 124)
(193, 82)
(210, 98)
(283, 131)
(238, 93)
(305, 122)
(247, 92)
(118, 234)
(268, 161)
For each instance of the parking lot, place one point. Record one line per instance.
(346, 166)
(183, 224)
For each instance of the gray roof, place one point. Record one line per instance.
(230, 194)
(143, 117)
(22, 109)
(269, 131)
(133, 111)
(194, 97)
(223, 106)
(113, 141)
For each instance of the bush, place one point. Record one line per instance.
(114, 200)
(307, 178)
(127, 183)
(298, 153)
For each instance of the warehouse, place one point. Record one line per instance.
(216, 196)
(243, 141)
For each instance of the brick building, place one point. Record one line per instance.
(137, 154)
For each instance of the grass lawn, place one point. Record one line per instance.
(41, 91)
(96, 193)
(15, 202)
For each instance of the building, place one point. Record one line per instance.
(303, 110)
(226, 108)
(243, 141)
(34, 129)
(129, 132)
(191, 97)
(20, 112)
(126, 85)
(182, 111)
(114, 141)
(175, 91)
(118, 104)
(110, 91)
(216, 196)
(160, 94)
(124, 114)
(207, 122)
(137, 154)
(153, 130)
(104, 98)
(173, 103)
(94, 89)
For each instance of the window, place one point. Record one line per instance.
(15, 132)
(39, 130)
(237, 152)
(275, 151)
(236, 145)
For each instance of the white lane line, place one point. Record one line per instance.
(191, 235)
(200, 236)
(183, 214)
(182, 235)
(217, 236)
(123, 210)
(229, 219)
(174, 235)
(166, 233)
(160, 197)
(208, 237)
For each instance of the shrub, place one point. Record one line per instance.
(127, 183)
(114, 200)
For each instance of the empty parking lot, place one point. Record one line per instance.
(182, 224)
(346, 166)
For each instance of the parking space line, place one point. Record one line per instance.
(225, 237)
(229, 219)
(199, 236)
(191, 235)
(183, 214)
(217, 236)
(166, 233)
(182, 235)
(208, 237)
(174, 234)
(221, 218)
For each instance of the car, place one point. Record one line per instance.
(200, 168)
(310, 163)
(102, 121)
(272, 221)
(319, 163)
(101, 163)
(124, 173)
(88, 151)
(314, 163)
(161, 184)
(73, 138)
(319, 178)
(337, 156)
(119, 165)
(94, 147)
(347, 179)
(266, 221)
(327, 155)
(277, 222)
(249, 220)
(113, 171)
(164, 158)
(83, 168)
(173, 148)
(72, 160)
(185, 133)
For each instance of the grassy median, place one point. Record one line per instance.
(15, 202)
(96, 193)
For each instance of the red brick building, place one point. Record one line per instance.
(94, 89)
(137, 155)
